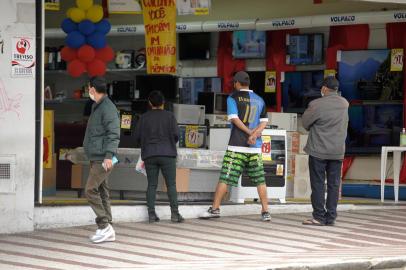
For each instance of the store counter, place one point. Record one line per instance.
(197, 170)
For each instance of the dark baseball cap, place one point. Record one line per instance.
(331, 83)
(242, 77)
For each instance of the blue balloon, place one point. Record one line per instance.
(75, 39)
(103, 26)
(86, 27)
(68, 25)
(97, 40)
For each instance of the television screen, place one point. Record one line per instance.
(366, 75)
(220, 105)
(194, 46)
(249, 44)
(305, 49)
(167, 84)
(191, 87)
(257, 84)
(299, 88)
(372, 126)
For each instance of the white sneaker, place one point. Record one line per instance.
(105, 235)
(96, 235)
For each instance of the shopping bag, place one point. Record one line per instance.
(140, 167)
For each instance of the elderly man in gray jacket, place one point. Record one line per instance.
(327, 119)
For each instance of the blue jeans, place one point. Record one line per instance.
(324, 211)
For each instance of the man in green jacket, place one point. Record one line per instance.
(100, 144)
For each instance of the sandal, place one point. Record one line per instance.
(312, 222)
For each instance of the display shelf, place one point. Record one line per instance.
(65, 100)
(112, 70)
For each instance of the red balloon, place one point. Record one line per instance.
(76, 68)
(105, 54)
(96, 68)
(68, 54)
(86, 53)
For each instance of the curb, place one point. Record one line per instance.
(358, 264)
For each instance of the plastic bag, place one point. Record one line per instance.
(140, 166)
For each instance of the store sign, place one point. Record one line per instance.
(270, 82)
(124, 7)
(189, 27)
(396, 63)
(160, 36)
(193, 7)
(22, 57)
(399, 16)
(342, 19)
(53, 5)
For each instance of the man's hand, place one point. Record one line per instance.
(107, 164)
(252, 139)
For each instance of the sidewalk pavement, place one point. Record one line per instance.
(362, 239)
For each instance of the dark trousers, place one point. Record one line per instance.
(168, 167)
(324, 211)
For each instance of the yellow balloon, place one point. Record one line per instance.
(84, 4)
(68, 12)
(95, 13)
(77, 15)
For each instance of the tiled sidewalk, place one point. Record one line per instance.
(240, 242)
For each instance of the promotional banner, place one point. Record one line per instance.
(193, 7)
(266, 148)
(22, 57)
(396, 63)
(270, 82)
(124, 7)
(53, 5)
(160, 36)
(48, 139)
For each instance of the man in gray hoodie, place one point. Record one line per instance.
(326, 119)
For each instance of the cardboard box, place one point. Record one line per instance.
(301, 187)
(49, 179)
(76, 176)
(302, 165)
(302, 143)
(182, 180)
(293, 142)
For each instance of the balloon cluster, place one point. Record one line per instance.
(86, 48)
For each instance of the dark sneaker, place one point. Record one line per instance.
(265, 216)
(176, 217)
(210, 213)
(152, 217)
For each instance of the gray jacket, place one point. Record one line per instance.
(327, 119)
(103, 131)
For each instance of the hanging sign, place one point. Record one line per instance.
(126, 119)
(329, 73)
(53, 5)
(22, 57)
(396, 62)
(124, 7)
(160, 36)
(193, 7)
(270, 82)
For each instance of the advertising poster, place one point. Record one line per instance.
(160, 36)
(192, 137)
(22, 57)
(53, 5)
(270, 82)
(396, 63)
(124, 7)
(193, 7)
(266, 148)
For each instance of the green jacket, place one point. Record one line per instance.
(103, 131)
